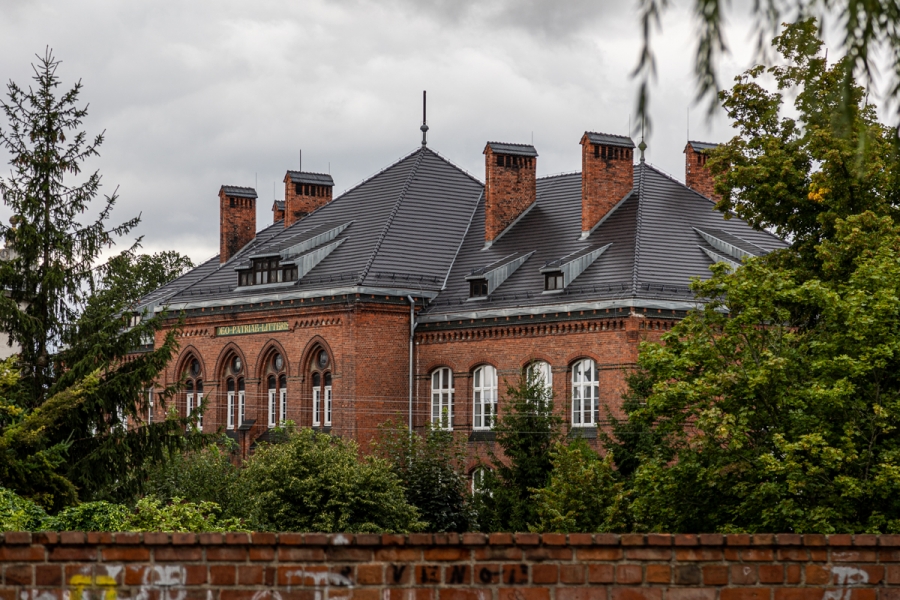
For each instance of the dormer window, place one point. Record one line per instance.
(553, 281)
(478, 288)
(267, 270)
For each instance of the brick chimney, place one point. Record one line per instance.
(237, 219)
(607, 175)
(510, 185)
(277, 211)
(304, 193)
(696, 174)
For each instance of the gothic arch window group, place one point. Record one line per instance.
(276, 388)
(193, 389)
(320, 377)
(235, 392)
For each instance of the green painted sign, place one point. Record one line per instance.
(252, 328)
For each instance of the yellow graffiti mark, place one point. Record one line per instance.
(105, 582)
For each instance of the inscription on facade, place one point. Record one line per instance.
(252, 328)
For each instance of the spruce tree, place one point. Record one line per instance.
(78, 382)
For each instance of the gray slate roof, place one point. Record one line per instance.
(516, 149)
(417, 227)
(653, 255)
(405, 227)
(238, 191)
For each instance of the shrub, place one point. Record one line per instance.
(91, 516)
(315, 482)
(19, 514)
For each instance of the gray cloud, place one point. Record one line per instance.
(198, 94)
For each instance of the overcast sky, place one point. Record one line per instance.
(194, 95)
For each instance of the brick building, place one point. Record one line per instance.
(419, 292)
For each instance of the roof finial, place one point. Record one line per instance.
(424, 127)
(642, 146)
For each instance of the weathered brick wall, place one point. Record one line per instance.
(237, 224)
(508, 191)
(265, 566)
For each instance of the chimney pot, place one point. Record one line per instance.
(304, 192)
(696, 173)
(510, 185)
(607, 175)
(237, 219)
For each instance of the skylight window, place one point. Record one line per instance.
(553, 281)
(478, 288)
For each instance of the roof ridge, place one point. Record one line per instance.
(555, 175)
(637, 229)
(390, 219)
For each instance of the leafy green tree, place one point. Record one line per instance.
(770, 420)
(205, 475)
(584, 493)
(75, 391)
(431, 467)
(527, 429)
(316, 482)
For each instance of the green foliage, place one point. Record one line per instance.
(315, 482)
(583, 494)
(431, 468)
(151, 514)
(91, 516)
(527, 430)
(18, 513)
(782, 413)
(62, 435)
(206, 475)
(797, 176)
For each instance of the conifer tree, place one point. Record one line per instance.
(75, 390)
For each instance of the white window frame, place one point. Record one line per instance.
(272, 394)
(543, 370)
(230, 417)
(189, 397)
(585, 393)
(442, 398)
(242, 406)
(484, 396)
(199, 410)
(317, 405)
(150, 406)
(328, 406)
(283, 405)
(478, 481)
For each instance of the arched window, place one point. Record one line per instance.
(478, 481)
(276, 383)
(322, 397)
(235, 394)
(442, 398)
(485, 395)
(585, 393)
(193, 390)
(539, 371)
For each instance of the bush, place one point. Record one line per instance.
(91, 516)
(583, 494)
(151, 514)
(19, 514)
(315, 482)
(431, 468)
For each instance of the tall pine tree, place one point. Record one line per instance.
(78, 382)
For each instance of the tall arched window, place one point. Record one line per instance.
(485, 395)
(539, 371)
(236, 399)
(276, 384)
(193, 388)
(442, 398)
(322, 397)
(585, 393)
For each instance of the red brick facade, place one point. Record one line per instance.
(448, 566)
(607, 175)
(510, 187)
(696, 174)
(237, 223)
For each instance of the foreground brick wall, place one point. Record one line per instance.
(159, 566)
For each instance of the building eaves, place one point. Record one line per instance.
(238, 191)
(279, 205)
(514, 149)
